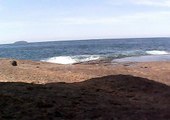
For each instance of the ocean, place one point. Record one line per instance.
(69, 52)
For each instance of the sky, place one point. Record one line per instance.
(49, 20)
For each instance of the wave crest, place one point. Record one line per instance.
(72, 59)
(157, 52)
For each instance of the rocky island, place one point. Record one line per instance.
(20, 42)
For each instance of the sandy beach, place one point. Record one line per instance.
(96, 90)
(42, 72)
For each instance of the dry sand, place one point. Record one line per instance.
(90, 91)
(41, 72)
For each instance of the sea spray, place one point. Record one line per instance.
(157, 52)
(72, 59)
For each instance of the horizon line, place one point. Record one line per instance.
(88, 39)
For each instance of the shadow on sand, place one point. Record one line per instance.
(119, 97)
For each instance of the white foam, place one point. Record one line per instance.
(72, 59)
(157, 52)
(60, 60)
(147, 58)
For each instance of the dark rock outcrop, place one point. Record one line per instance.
(14, 63)
(119, 97)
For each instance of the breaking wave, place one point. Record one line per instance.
(157, 52)
(72, 59)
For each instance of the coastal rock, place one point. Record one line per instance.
(14, 63)
(113, 97)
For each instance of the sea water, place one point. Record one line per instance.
(69, 52)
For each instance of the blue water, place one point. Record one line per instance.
(86, 50)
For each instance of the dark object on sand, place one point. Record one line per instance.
(14, 63)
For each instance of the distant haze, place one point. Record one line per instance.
(49, 20)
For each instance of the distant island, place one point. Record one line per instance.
(21, 42)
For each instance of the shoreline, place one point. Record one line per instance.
(145, 58)
(66, 60)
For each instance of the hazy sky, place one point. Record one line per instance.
(42, 20)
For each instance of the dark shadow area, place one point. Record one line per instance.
(119, 97)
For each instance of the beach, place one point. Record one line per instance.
(84, 60)
(89, 90)
(43, 72)
(102, 79)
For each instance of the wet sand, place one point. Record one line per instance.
(147, 58)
